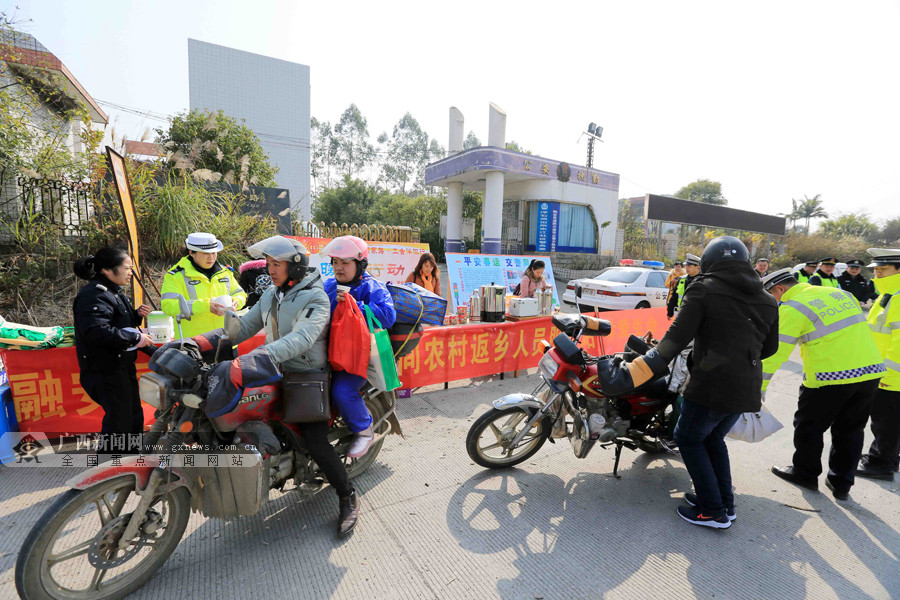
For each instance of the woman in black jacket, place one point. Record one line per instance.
(105, 330)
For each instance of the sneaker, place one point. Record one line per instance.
(361, 443)
(692, 514)
(691, 498)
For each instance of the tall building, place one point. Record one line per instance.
(271, 95)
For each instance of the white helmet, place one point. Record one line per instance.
(283, 249)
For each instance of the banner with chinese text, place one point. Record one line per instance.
(468, 272)
(48, 396)
(388, 262)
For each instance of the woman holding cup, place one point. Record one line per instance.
(197, 290)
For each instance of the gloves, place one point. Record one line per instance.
(254, 369)
(618, 377)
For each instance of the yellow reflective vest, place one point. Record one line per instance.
(186, 293)
(884, 321)
(802, 276)
(835, 343)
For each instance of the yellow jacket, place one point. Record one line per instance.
(835, 344)
(186, 293)
(884, 320)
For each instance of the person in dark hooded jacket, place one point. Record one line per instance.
(734, 326)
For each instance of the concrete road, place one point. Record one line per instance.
(437, 526)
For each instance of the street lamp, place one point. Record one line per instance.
(593, 132)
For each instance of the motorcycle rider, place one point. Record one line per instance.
(349, 259)
(301, 346)
(734, 325)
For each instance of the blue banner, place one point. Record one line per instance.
(547, 227)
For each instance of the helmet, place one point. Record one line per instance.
(348, 247)
(283, 249)
(200, 241)
(724, 247)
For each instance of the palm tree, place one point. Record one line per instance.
(792, 216)
(811, 208)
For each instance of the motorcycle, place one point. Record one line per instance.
(569, 402)
(123, 519)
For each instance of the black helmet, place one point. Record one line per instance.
(724, 247)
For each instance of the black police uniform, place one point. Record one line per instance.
(108, 374)
(861, 288)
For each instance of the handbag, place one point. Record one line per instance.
(382, 372)
(755, 426)
(348, 348)
(307, 397)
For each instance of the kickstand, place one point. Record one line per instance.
(616, 465)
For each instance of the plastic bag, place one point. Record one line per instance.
(755, 426)
(382, 373)
(349, 346)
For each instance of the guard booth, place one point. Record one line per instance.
(531, 204)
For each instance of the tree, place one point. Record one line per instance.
(792, 216)
(471, 141)
(890, 232)
(353, 152)
(324, 153)
(215, 147)
(514, 145)
(350, 203)
(810, 208)
(407, 154)
(703, 190)
(853, 224)
(39, 118)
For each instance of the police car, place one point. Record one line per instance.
(634, 284)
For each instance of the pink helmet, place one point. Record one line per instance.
(348, 247)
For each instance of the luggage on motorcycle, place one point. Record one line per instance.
(306, 397)
(414, 304)
(404, 338)
(229, 379)
(231, 483)
(348, 347)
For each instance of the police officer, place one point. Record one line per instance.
(808, 270)
(105, 323)
(190, 288)
(854, 282)
(692, 269)
(762, 266)
(883, 457)
(841, 369)
(825, 274)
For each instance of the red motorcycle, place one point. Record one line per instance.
(569, 402)
(112, 531)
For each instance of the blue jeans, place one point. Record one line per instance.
(700, 435)
(345, 396)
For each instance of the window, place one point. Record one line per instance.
(562, 227)
(618, 276)
(656, 280)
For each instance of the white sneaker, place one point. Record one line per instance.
(361, 443)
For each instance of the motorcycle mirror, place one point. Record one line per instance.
(577, 290)
(232, 325)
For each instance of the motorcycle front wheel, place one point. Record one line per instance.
(72, 551)
(488, 440)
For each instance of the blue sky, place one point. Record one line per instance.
(776, 100)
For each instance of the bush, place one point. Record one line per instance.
(801, 248)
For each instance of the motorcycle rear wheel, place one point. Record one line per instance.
(67, 517)
(357, 466)
(502, 425)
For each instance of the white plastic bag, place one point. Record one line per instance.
(755, 426)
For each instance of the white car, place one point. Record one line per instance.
(621, 288)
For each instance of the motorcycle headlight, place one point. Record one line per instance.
(152, 389)
(548, 366)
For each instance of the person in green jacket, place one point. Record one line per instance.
(883, 457)
(825, 275)
(192, 286)
(841, 370)
(808, 270)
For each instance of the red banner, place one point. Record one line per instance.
(452, 353)
(48, 396)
